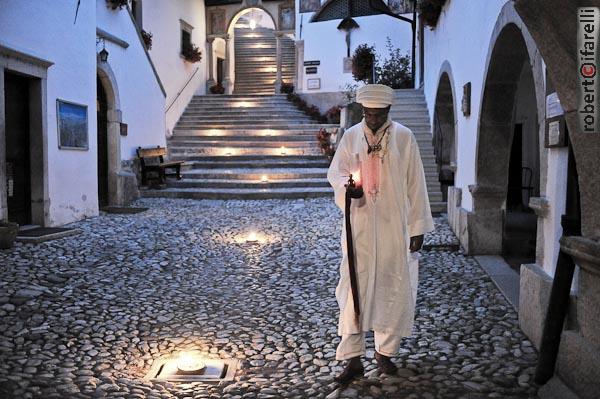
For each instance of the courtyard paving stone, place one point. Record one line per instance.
(85, 316)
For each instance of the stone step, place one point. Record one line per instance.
(225, 110)
(244, 132)
(236, 162)
(258, 183)
(179, 145)
(256, 174)
(193, 152)
(295, 126)
(181, 140)
(248, 193)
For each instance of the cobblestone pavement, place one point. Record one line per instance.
(85, 316)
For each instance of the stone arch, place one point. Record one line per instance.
(113, 131)
(511, 49)
(444, 128)
(235, 17)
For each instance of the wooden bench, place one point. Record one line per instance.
(152, 160)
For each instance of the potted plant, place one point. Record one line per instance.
(147, 37)
(287, 88)
(114, 4)
(333, 114)
(217, 89)
(8, 234)
(191, 53)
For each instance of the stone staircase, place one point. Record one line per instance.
(410, 109)
(246, 147)
(256, 61)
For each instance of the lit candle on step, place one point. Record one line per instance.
(283, 150)
(264, 179)
(227, 151)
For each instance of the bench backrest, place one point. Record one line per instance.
(150, 154)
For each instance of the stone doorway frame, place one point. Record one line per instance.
(511, 45)
(36, 70)
(445, 118)
(116, 189)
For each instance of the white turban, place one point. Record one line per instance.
(375, 96)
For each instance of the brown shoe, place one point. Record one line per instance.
(385, 364)
(353, 369)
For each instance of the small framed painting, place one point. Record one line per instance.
(72, 125)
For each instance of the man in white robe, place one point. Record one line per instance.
(388, 224)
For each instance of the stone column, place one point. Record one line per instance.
(299, 76)
(226, 77)
(113, 131)
(210, 64)
(278, 79)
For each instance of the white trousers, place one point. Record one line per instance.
(353, 345)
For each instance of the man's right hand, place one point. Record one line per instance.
(355, 192)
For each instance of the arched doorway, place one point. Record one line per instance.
(102, 128)
(110, 186)
(263, 58)
(507, 165)
(444, 140)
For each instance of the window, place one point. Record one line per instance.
(186, 35)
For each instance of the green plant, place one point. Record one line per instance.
(287, 88)
(395, 70)
(217, 89)
(333, 114)
(114, 4)
(349, 92)
(147, 37)
(191, 53)
(363, 61)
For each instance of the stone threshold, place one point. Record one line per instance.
(506, 279)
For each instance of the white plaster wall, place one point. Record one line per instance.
(161, 18)
(556, 192)
(462, 37)
(142, 101)
(324, 42)
(46, 30)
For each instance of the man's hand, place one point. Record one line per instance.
(416, 243)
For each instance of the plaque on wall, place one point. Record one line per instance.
(312, 63)
(311, 70)
(287, 16)
(347, 64)
(309, 5)
(72, 125)
(123, 129)
(313, 84)
(555, 132)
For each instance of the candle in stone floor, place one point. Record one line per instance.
(188, 364)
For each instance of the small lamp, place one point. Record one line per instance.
(103, 55)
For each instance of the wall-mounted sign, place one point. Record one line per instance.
(123, 127)
(312, 63)
(553, 107)
(313, 84)
(347, 64)
(311, 70)
(466, 99)
(555, 132)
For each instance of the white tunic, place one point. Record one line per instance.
(381, 229)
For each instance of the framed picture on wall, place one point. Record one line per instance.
(217, 22)
(401, 6)
(72, 125)
(309, 5)
(287, 16)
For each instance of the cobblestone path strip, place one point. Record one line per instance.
(84, 316)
